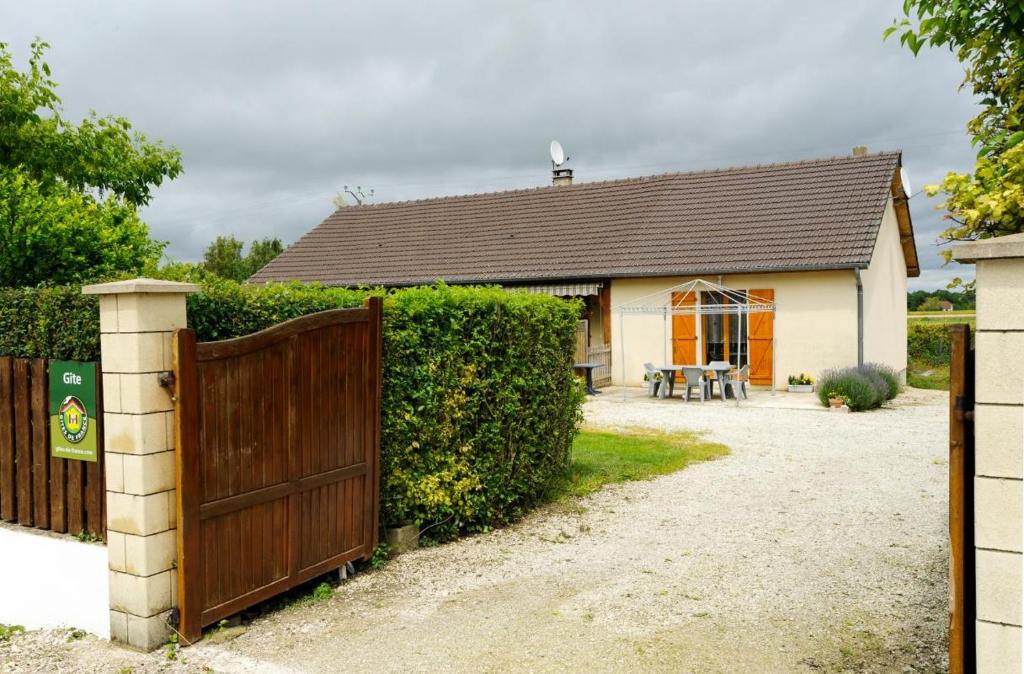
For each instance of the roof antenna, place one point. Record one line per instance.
(559, 176)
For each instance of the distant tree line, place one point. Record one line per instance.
(923, 300)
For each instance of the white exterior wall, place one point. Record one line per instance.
(885, 298)
(815, 322)
(51, 581)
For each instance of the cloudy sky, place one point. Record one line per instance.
(275, 106)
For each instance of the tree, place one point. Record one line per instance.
(261, 253)
(931, 304)
(224, 257)
(69, 193)
(988, 38)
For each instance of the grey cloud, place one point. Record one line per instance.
(276, 105)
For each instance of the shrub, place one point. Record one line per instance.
(928, 342)
(863, 388)
(59, 323)
(480, 403)
(888, 376)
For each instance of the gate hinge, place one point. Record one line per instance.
(166, 380)
(963, 409)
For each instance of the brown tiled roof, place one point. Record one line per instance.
(819, 214)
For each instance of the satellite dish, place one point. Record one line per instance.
(905, 179)
(557, 153)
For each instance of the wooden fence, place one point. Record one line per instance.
(36, 489)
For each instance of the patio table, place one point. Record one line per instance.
(720, 368)
(588, 370)
(668, 374)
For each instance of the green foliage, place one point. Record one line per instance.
(58, 236)
(928, 343)
(379, 557)
(800, 379)
(59, 323)
(862, 388)
(961, 301)
(8, 631)
(988, 39)
(226, 309)
(224, 257)
(930, 304)
(925, 375)
(604, 457)
(261, 253)
(99, 154)
(481, 404)
(69, 193)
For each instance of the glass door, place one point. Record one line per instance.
(724, 332)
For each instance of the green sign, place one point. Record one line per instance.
(73, 422)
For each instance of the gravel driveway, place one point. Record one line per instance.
(817, 545)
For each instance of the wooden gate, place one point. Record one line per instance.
(278, 458)
(961, 502)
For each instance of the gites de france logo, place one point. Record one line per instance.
(74, 420)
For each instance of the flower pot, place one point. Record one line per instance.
(800, 388)
(835, 402)
(402, 539)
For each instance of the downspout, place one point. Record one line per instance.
(860, 317)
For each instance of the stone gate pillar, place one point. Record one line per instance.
(137, 318)
(999, 447)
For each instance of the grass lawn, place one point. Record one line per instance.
(603, 457)
(924, 375)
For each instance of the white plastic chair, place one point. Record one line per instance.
(694, 377)
(737, 382)
(652, 379)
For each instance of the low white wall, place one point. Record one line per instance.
(48, 580)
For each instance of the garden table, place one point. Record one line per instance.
(668, 377)
(588, 369)
(720, 368)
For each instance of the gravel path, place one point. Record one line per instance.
(817, 545)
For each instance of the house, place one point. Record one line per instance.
(945, 305)
(829, 241)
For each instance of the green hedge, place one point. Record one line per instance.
(928, 342)
(480, 403)
(59, 323)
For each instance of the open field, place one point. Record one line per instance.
(950, 317)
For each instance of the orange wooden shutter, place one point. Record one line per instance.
(760, 336)
(684, 330)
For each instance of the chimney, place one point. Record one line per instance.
(860, 150)
(561, 177)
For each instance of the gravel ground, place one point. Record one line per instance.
(817, 545)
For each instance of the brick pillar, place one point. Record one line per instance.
(137, 319)
(999, 441)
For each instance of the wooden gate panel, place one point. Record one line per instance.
(278, 444)
(962, 599)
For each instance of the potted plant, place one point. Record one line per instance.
(837, 400)
(800, 383)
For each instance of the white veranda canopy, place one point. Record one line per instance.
(693, 298)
